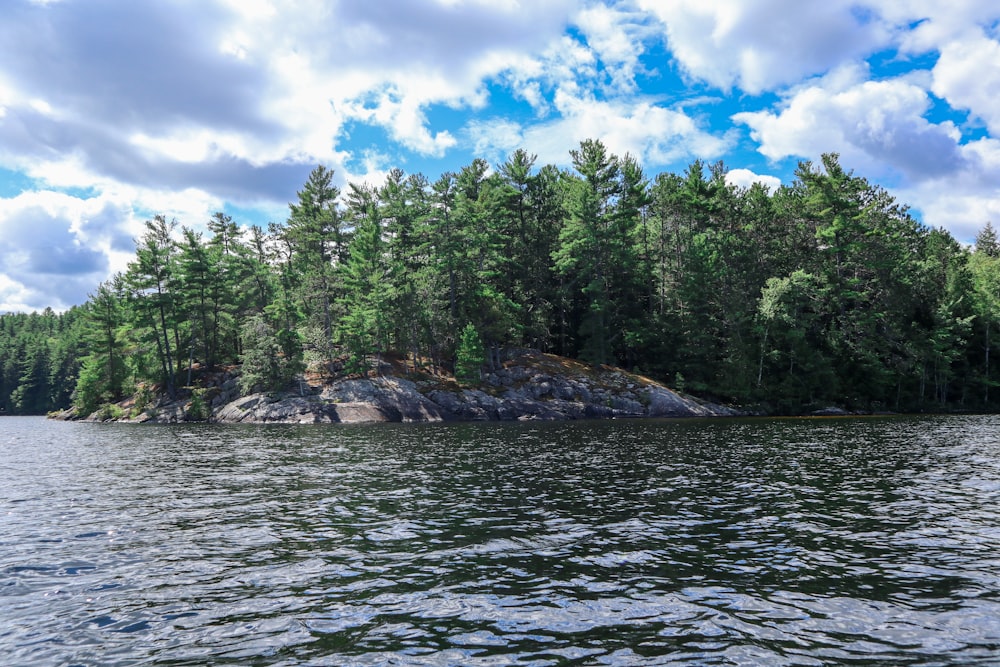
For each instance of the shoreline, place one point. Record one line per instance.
(530, 385)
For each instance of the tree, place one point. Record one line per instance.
(583, 253)
(986, 241)
(985, 271)
(317, 242)
(793, 364)
(597, 249)
(364, 327)
(104, 370)
(470, 356)
(405, 207)
(532, 215)
(267, 365)
(150, 279)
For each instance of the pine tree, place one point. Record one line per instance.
(470, 356)
(364, 327)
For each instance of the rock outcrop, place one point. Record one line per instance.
(529, 386)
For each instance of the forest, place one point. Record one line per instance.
(823, 292)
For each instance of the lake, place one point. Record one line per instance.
(694, 542)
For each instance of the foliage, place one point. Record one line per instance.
(40, 358)
(197, 409)
(470, 356)
(823, 291)
(267, 364)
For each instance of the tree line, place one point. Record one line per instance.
(824, 291)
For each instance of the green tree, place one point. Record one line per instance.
(986, 241)
(150, 279)
(364, 327)
(470, 356)
(317, 242)
(583, 254)
(985, 270)
(267, 364)
(405, 208)
(102, 378)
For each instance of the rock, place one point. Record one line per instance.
(396, 399)
(530, 386)
(831, 411)
(358, 413)
(662, 402)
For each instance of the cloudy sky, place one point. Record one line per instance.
(112, 111)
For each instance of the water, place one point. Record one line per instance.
(759, 542)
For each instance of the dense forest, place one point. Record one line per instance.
(823, 292)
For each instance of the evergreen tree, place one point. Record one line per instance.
(317, 242)
(365, 325)
(150, 279)
(470, 356)
(104, 372)
(986, 241)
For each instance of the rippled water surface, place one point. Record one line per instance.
(764, 542)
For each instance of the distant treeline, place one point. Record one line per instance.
(825, 291)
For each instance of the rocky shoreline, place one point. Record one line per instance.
(529, 386)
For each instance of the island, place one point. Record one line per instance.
(511, 291)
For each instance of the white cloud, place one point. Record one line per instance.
(403, 116)
(763, 45)
(496, 138)
(561, 65)
(880, 130)
(744, 178)
(962, 201)
(250, 85)
(616, 37)
(874, 125)
(655, 135)
(57, 248)
(928, 25)
(967, 75)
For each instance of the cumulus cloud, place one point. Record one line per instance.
(57, 248)
(962, 201)
(763, 45)
(744, 178)
(221, 95)
(877, 126)
(881, 131)
(960, 78)
(655, 135)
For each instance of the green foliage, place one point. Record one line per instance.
(197, 408)
(270, 358)
(470, 356)
(110, 412)
(823, 291)
(91, 390)
(143, 398)
(40, 357)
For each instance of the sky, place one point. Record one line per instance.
(114, 111)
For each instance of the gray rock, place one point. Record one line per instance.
(534, 387)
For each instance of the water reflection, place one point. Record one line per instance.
(799, 542)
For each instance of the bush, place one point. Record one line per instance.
(143, 399)
(110, 412)
(197, 410)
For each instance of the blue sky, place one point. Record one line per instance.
(112, 111)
